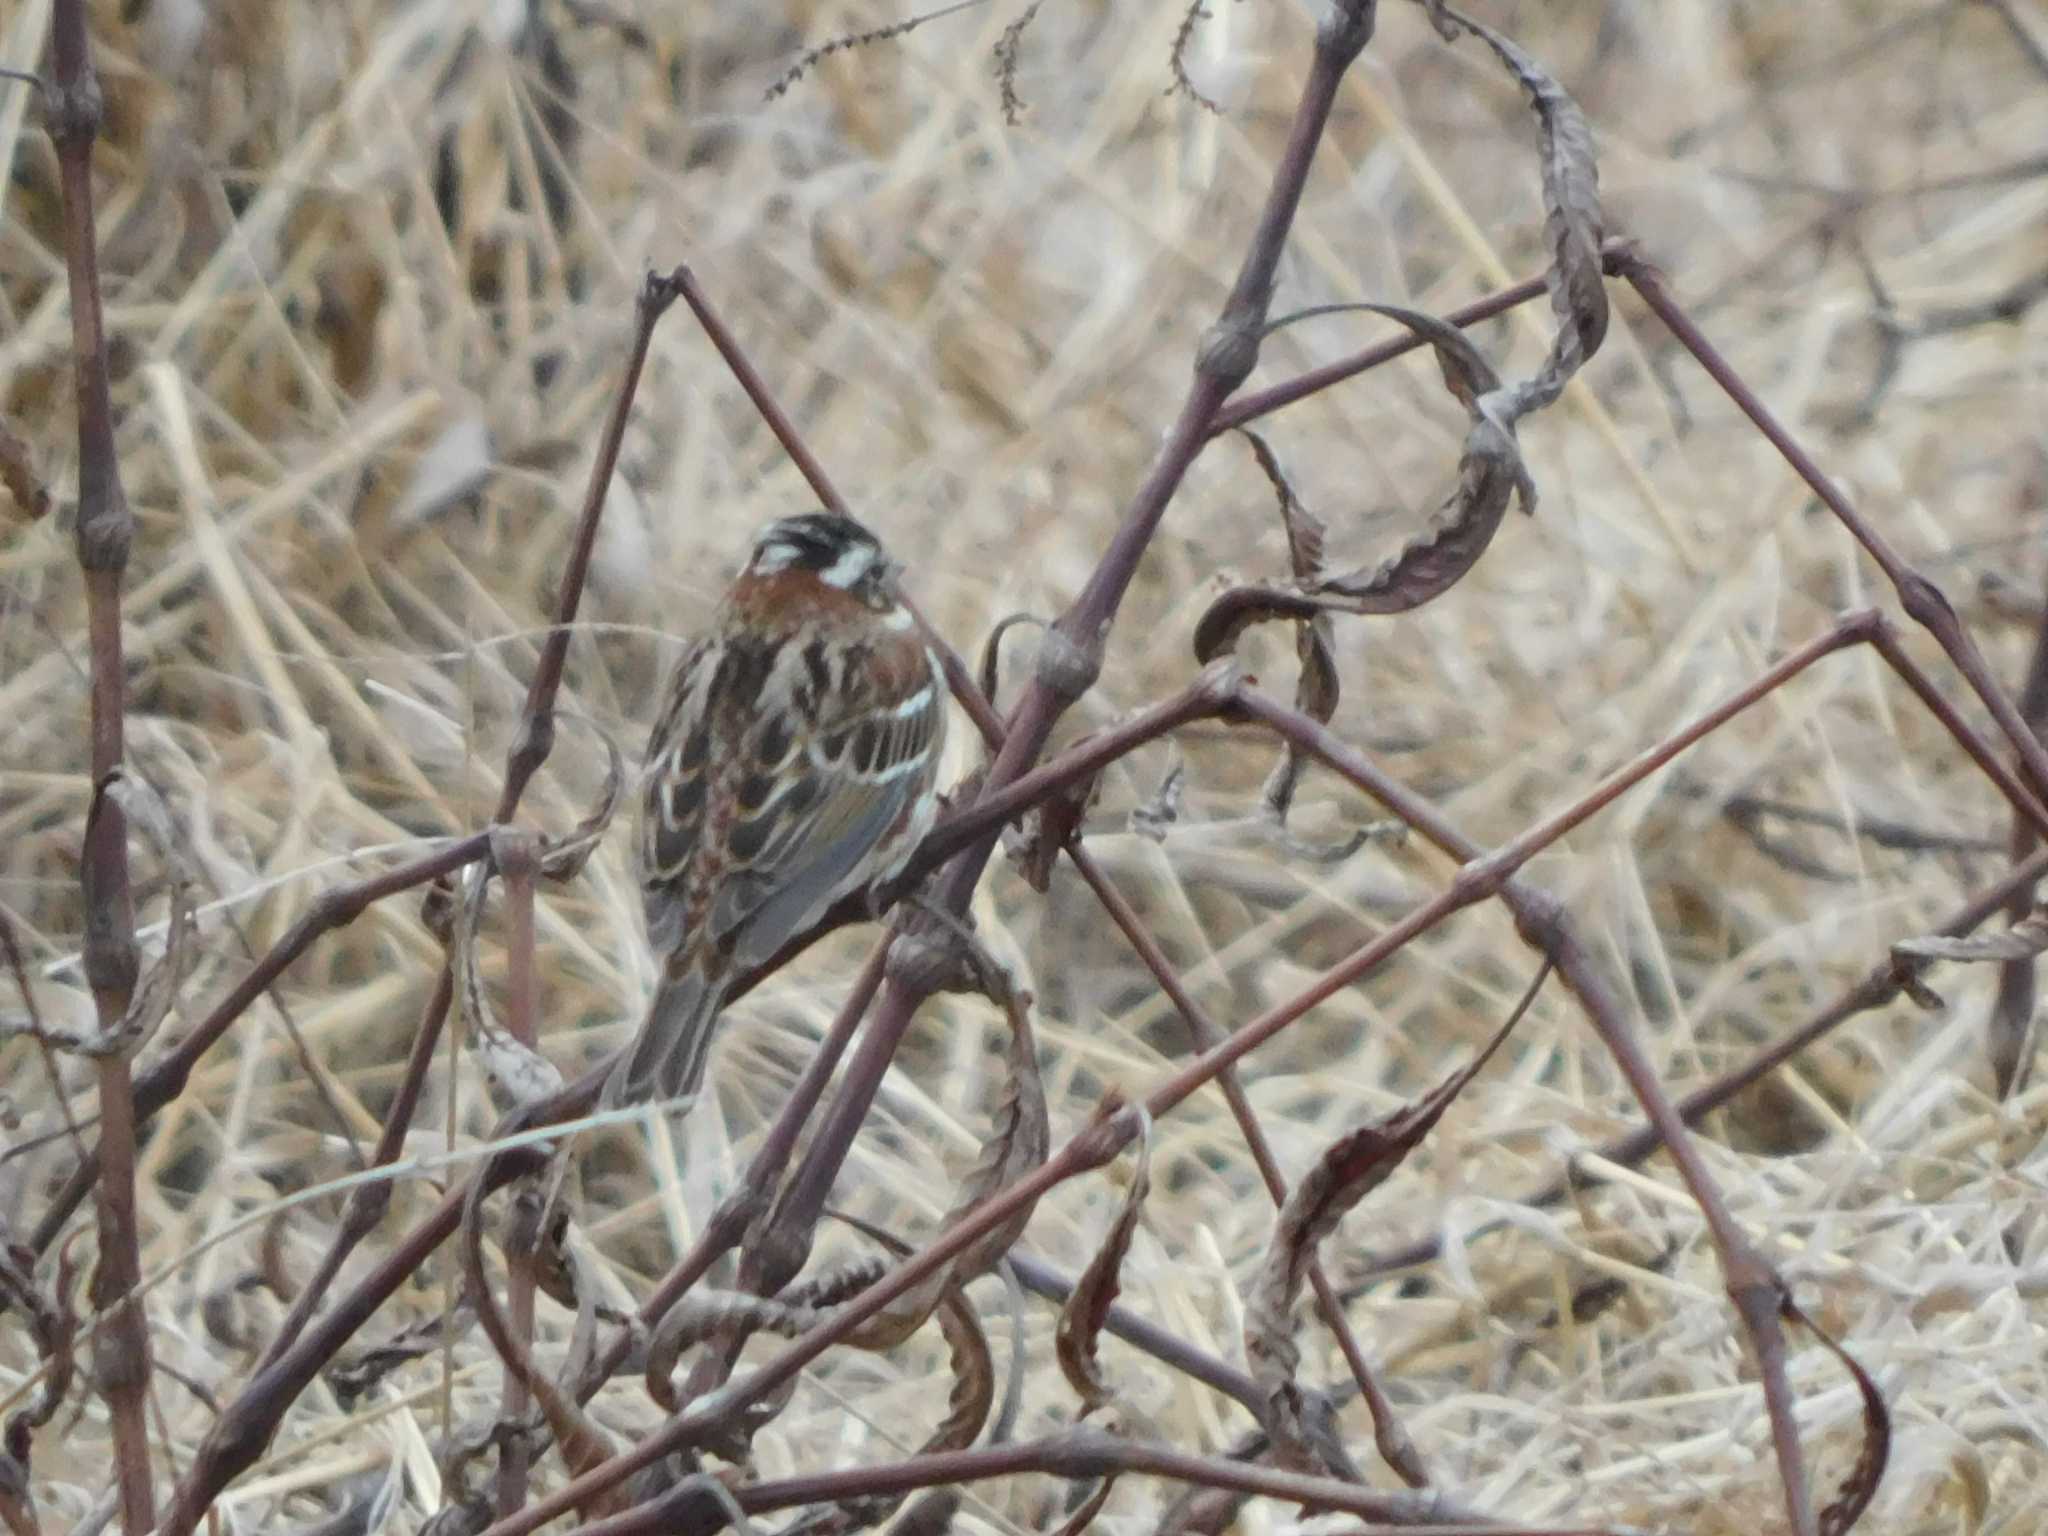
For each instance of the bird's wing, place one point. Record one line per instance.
(675, 796)
(803, 830)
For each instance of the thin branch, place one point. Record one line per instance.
(105, 528)
(1879, 986)
(1924, 602)
(1086, 1452)
(517, 859)
(536, 736)
(1615, 257)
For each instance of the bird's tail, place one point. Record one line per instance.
(667, 1057)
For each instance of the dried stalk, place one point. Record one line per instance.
(121, 1359)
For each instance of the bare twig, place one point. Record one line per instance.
(1879, 986)
(105, 527)
(1924, 602)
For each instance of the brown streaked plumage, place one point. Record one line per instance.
(792, 764)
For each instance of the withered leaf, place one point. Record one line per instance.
(1035, 846)
(158, 990)
(52, 1327)
(1151, 817)
(361, 1371)
(2022, 941)
(989, 672)
(1317, 688)
(1021, 1138)
(1573, 223)
(523, 1075)
(974, 1376)
(25, 488)
(1017, 1144)
(582, 1442)
(705, 1313)
(1860, 1486)
(1352, 1167)
(1087, 1306)
(967, 1406)
(563, 858)
(1490, 466)
(1490, 473)
(974, 1365)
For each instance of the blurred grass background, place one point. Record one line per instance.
(369, 272)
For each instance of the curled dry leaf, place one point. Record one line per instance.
(1153, 817)
(563, 858)
(1490, 467)
(1353, 1166)
(1021, 1138)
(1017, 1144)
(1573, 223)
(1318, 688)
(521, 1074)
(1860, 1486)
(1087, 1306)
(359, 1372)
(1490, 473)
(1089, 1508)
(974, 1364)
(988, 671)
(702, 1314)
(52, 1325)
(25, 488)
(2022, 941)
(974, 1376)
(1034, 847)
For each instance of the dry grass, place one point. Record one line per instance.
(369, 272)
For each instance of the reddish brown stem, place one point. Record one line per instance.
(1924, 602)
(2009, 1027)
(369, 1200)
(1082, 1452)
(246, 1425)
(1615, 256)
(1881, 985)
(105, 528)
(536, 738)
(774, 1260)
(518, 860)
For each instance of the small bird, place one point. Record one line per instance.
(793, 763)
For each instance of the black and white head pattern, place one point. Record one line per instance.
(842, 553)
